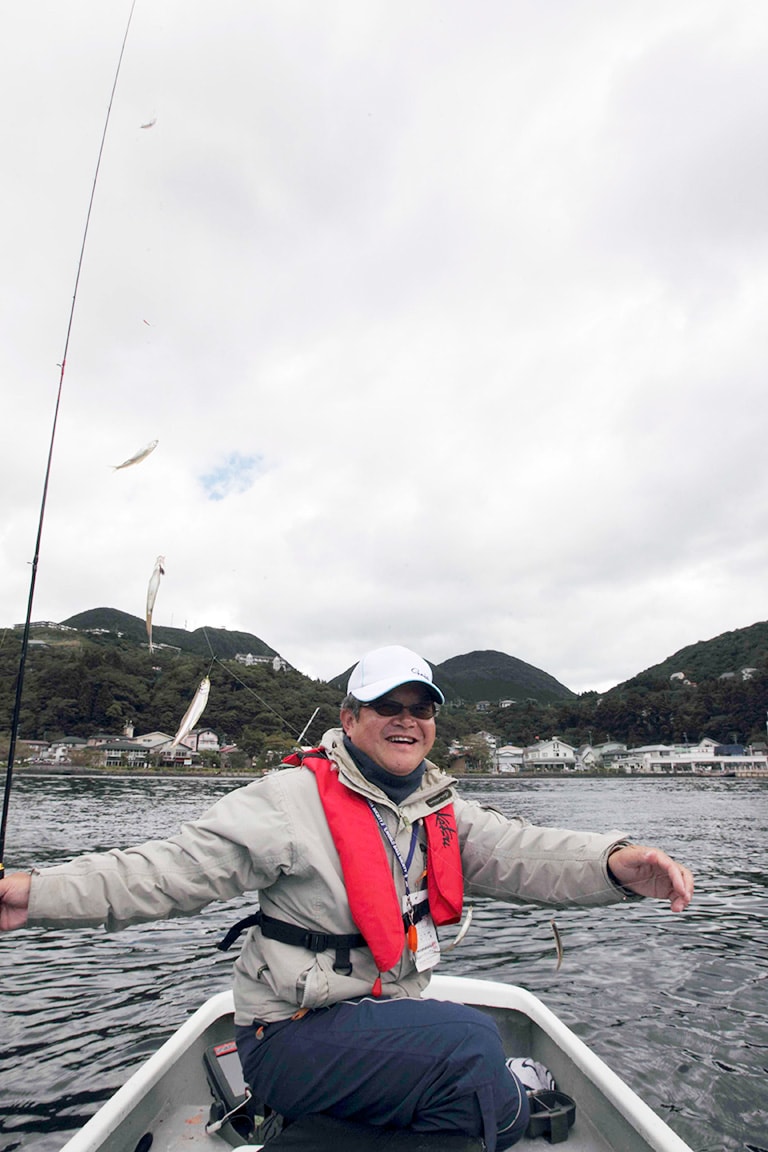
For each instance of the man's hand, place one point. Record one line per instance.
(14, 900)
(650, 872)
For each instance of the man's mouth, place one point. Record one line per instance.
(400, 740)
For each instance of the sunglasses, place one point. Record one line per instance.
(423, 710)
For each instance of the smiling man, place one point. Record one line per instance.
(397, 732)
(360, 850)
(391, 722)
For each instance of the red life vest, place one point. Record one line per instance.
(367, 871)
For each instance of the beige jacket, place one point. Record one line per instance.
(271, 838)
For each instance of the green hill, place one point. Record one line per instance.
(201, 642)
(709, 659)
(494, 676)
(78, 683)
(82, 681)
(488, 675)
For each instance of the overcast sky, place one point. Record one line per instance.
(450, 318)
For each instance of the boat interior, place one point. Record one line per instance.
(181, 1123)
(175, 1100)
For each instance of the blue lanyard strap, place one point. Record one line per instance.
(404, 864)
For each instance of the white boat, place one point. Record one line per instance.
(166, 1103)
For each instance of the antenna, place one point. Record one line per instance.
(306, 726)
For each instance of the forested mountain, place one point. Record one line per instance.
(202, 642)
(491, 675)
(724, 655)
(79, 683)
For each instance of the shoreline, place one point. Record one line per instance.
(70, 771)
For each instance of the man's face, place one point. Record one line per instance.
(396, 743)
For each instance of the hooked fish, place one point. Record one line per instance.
(138, 457)
(149, 123)
(194, 712)
(154, 584)
(461, 932)
(558, 944)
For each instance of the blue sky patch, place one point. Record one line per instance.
(235, 476)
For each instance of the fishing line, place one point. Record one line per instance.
(233, 674)
(256, 696)
(35, 561)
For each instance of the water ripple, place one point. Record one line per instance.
(677, 1005)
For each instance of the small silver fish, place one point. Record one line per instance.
(154, 584)
(558, 944)
(149, 123)
(461, 932)
(138, 457)
(194, 712)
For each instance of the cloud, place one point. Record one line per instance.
(485, 286)
(235, 476)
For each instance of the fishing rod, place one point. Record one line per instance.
(41, 518)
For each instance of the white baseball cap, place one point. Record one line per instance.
(387, 668)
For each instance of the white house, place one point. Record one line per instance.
(202, 740)
(698, 759)
(586, 758)
(607, 752)
(549, 755)
(123, 753)
(153, 740)
(61, 750)
(509, 758)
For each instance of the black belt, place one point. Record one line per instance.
(286, 933)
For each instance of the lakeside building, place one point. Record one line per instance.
(705, 758)
(478, 753)
(552, 755)
(509, 758)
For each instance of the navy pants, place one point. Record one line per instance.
(429, 1065)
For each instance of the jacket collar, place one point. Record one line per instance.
(434, 782)
(398, 788)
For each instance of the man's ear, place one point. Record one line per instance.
(347, 720)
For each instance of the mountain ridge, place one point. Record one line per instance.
(203, 641)
(102, 677)
(729, 652)
(469, 677)
(472, 676)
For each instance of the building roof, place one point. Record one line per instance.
(124, 746)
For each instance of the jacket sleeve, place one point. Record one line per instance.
(510, 859)
(241, 844)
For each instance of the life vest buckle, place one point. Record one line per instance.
(316, 941)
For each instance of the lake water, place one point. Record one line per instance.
(677, 1005)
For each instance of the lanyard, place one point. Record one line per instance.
(404, 864)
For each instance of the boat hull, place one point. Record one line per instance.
(168, 1097)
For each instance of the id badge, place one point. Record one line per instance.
(427, 951)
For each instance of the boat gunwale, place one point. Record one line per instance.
(461, 989)
(494, 994)
(114, 1110)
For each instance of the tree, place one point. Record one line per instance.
(478, 753)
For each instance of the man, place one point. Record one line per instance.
(357, 852)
